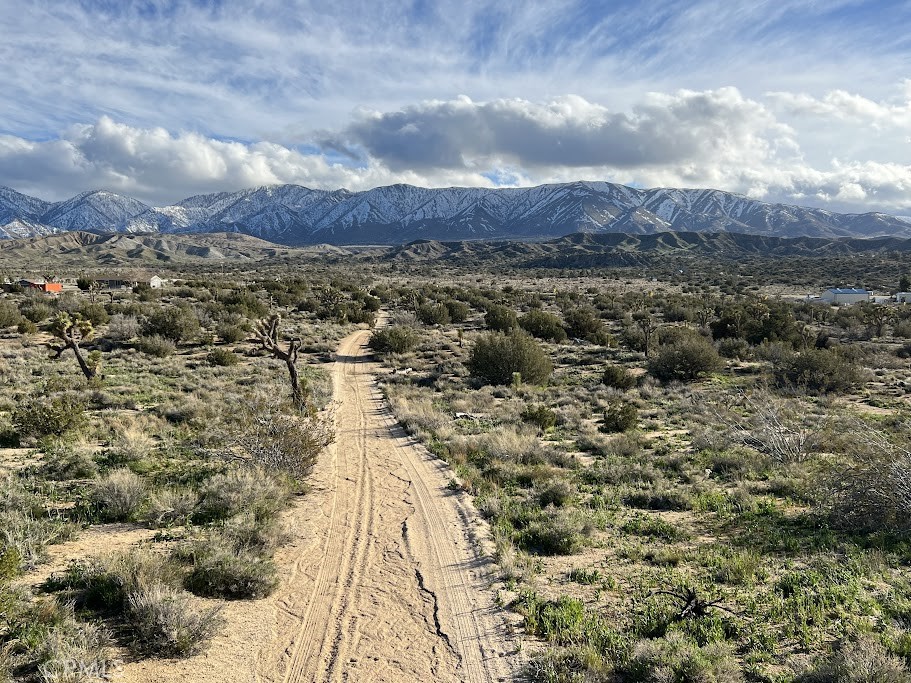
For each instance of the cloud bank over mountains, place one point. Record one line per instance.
(797, 102)
(716, 138)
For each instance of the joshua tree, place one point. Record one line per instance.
(73, 330)
(269, 336)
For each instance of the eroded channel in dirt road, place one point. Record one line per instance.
(382, 581)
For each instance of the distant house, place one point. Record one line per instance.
(903, 297)
(838, 295)
(42, 286)
(114, 283)
(154, 282)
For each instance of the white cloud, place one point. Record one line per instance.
(156, 166)
(846, 106)
(716, 138)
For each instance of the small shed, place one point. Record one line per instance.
(850, 295)
(155, 282)
(42, 286)
(903, 297)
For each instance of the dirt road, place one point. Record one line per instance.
(382, 581)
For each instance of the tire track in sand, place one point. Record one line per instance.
(399, 591)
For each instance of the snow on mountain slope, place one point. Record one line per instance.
(98, 210)
(292, 214)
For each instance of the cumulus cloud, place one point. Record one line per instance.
(846, 106)
(157, 166)
(685, 127)
(715, 138)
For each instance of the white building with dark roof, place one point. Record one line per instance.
(849, 295)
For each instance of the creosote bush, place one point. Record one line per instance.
(619, 416)
(684, 360)
(393, 339)
(222, 358)
(617, 377)
(543, 325)
(157, 346)
(500, 318)
(173, 322)
(43, 416)
(817, 371)
(497, 357)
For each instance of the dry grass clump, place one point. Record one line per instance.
(164, 622)
(119, 495)
(130, 443)
(74, 652)
(417, 414)
(513, 444)
(65, 461)
(142, 589)
(221, 569)
(863, 660)
(240, 490)
(24, 525)
(170, 506)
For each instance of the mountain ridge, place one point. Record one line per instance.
(294, 215)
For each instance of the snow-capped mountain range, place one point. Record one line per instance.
(295, 215)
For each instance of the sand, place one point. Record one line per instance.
(382, 580)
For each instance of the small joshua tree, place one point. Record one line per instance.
(269, 336)
(72, 331)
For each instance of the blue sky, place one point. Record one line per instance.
(795, 101)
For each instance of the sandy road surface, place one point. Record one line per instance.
(381, 582)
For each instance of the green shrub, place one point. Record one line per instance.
(557, 492)
(43, 416)
(619, 416)
(500, 318)
(222, 358)
(26, 326)
(220, 570)
(617, 377)
(556, 533)
(541, 416)
(734, 347)
(458, 311)
(94, 313)
(231, 333)
(652, 527)
(175, 323)
(10, 564)
(817, 371)
(497, 357)
(584, 323)
(394, 339)
(433, 314)
(543, 325)
(36, 311)
(156, 346)
(685, 360)
(9, 314)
